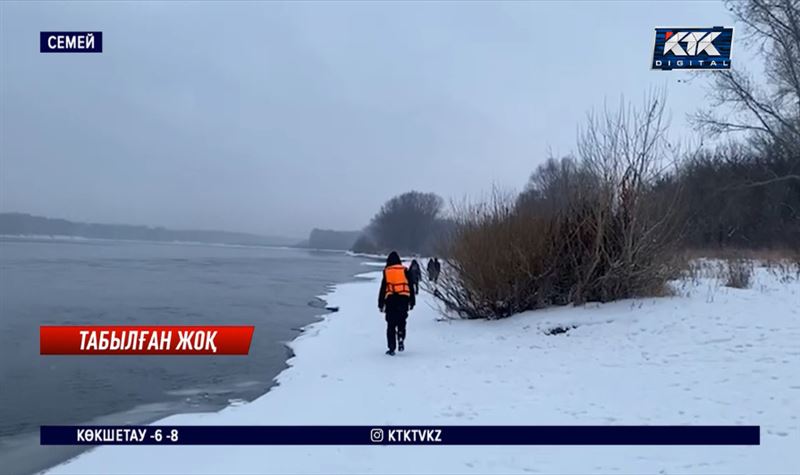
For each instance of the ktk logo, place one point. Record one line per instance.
(696, 43)
(692, 48)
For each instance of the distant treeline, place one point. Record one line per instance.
(410, 223)
(26, 224)
(740, 197)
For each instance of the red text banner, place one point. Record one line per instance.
(145, 340)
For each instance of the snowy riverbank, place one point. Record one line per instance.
(712, 356)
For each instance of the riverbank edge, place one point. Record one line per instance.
(69, 453)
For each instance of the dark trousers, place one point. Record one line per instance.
(395, 328)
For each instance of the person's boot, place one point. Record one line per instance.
(400, 345)
(390, 352)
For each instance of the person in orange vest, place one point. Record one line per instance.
(395, 299)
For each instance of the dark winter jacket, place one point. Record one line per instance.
(415, 273)
(395, 303)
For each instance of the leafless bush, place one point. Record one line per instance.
(597, 228)
(785, 266)
(739, 273)
(781, 263)
(498, 262)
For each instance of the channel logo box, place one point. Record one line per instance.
(693, 48)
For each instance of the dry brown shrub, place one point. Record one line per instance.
(601, 228)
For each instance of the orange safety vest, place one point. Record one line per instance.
(396, 282)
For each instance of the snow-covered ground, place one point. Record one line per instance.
(714, 355)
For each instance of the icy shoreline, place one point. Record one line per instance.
(713, 356)
(83, 239)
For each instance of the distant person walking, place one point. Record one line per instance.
(415, 273)
(395, 299)
(433, 269)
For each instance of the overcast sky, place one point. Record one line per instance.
(275, 118)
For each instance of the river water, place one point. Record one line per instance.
(129, 283)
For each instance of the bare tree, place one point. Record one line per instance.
(770, 113)
(627, 226)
